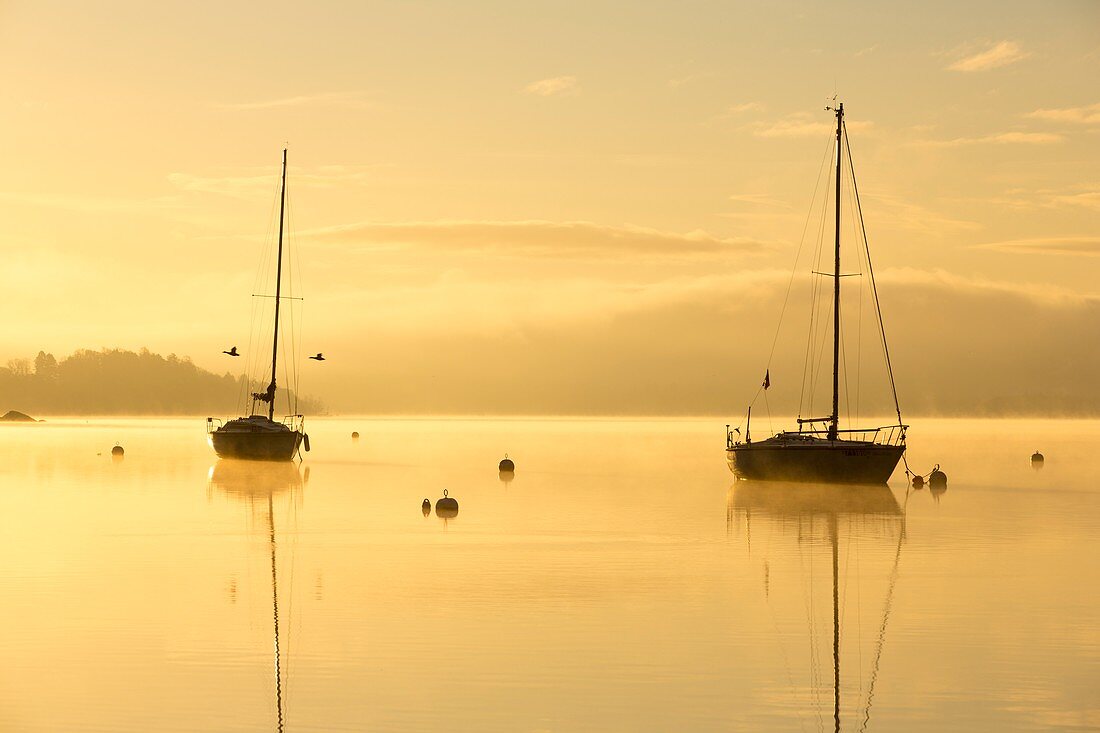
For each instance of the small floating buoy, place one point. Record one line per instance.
(355, 435)
(426, 507)
(117, 450)
(446, 507)
(918, 482)
(1037, 458)
(937, 479)
(506, 464)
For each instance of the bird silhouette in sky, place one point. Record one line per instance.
(232, 351)
(319, 357)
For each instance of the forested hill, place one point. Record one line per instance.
(119, 382)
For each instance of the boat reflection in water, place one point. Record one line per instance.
(793, 533)
(258, 483)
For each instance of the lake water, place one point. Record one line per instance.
(619, 582)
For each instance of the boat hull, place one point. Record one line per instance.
(824, 461)
(256, 438)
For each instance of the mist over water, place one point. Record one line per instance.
(621, 580)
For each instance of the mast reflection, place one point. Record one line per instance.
(257, 483)
(818, 514)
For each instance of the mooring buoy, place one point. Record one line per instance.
(118, 450)
(918, 482)
(446, 507)
(507, 464)
(937, 479)
(426, 507)
(355, 435)
(1037, 457)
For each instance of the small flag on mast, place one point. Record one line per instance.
(767, 379)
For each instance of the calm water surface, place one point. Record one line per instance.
(620, 581)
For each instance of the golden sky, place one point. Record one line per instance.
(556, 207)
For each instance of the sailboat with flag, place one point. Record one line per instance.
(819, 450)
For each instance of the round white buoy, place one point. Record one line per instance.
(446, 507)
(507, 464)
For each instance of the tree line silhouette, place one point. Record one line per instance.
(121, 382)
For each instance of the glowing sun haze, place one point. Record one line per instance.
(556, 207)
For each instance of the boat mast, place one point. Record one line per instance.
(278, 300)
(834, 418)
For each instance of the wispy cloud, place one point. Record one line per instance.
(1003, 138)
(1086, 115)
(758, 199)
(736, 109)
(244, 185)
(1083, 199)
(1000, 54)
(538, 239)
(1041, 293)
(552, 86)
(1077, 246)
(326, 99)
(906, 214)
(802, 124)
(91, 203)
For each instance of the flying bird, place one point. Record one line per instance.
(232, 351)
(319, 357)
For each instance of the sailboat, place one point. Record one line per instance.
(819, 450)
(815, 515)
(258, 436)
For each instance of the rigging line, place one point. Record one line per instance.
(885, 619)
(807, 603)
(856, 250)
(844, 365)
(807, 368)
(859, 612)
(798, 254)
(824, 342)
(815, 660)
(810, 373)
(768, 410)
(874, 287)
(859, 311)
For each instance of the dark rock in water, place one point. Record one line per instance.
(16, 416)
(446, 507)
(118, 451)
(426, 507)
(506, 464)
